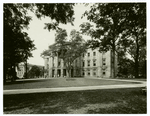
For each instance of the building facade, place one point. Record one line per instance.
(20, 70)
(90, 64)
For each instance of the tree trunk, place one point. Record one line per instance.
(67, 73)
(70, 73)
(136, 69)
(4, 76)
(113, 60)
(137, 60)
(26, 70)
(13, 73)
(113, 64)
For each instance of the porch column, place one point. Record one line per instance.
(85, 72)
(62, 73)
(50, 72)
(55, 72)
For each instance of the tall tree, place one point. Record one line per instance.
(136, 23)
(34, 72)
(17, 44)
(107, 20)
(114, 21)
(125, 67)
(67, 50)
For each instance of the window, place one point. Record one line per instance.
(88, 54)
(88, 72)
(83, 63)
(47, 66)
(104, 61)
(94, 72)
(103, 73)
(83, 72)
(94, 62)
(88, 62)
(58, 63)
(94, 53)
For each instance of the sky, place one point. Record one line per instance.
(43, 38)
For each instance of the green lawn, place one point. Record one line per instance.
(114, 101)
(51, 83)
(134, 79)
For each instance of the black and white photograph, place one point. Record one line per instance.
(74, 57)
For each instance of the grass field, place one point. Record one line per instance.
(115, 101)
(135, 79)
(50, 83)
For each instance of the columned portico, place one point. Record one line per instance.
(91, 64)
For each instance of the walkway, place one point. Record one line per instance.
(40, 90)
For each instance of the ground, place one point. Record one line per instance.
(62, 82)
(115, 101)
(109, 101)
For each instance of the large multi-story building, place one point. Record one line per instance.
(90, 64)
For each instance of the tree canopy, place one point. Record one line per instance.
(67, 49)
(17, 43)
(57, 12)
(114, 24)
(35, 71)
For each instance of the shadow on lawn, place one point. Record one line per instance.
(38, 80)
(22, 81)
(116, 101)
(64, 82)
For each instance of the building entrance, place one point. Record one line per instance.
(53, 71)
(58, 73)
(64, 72)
